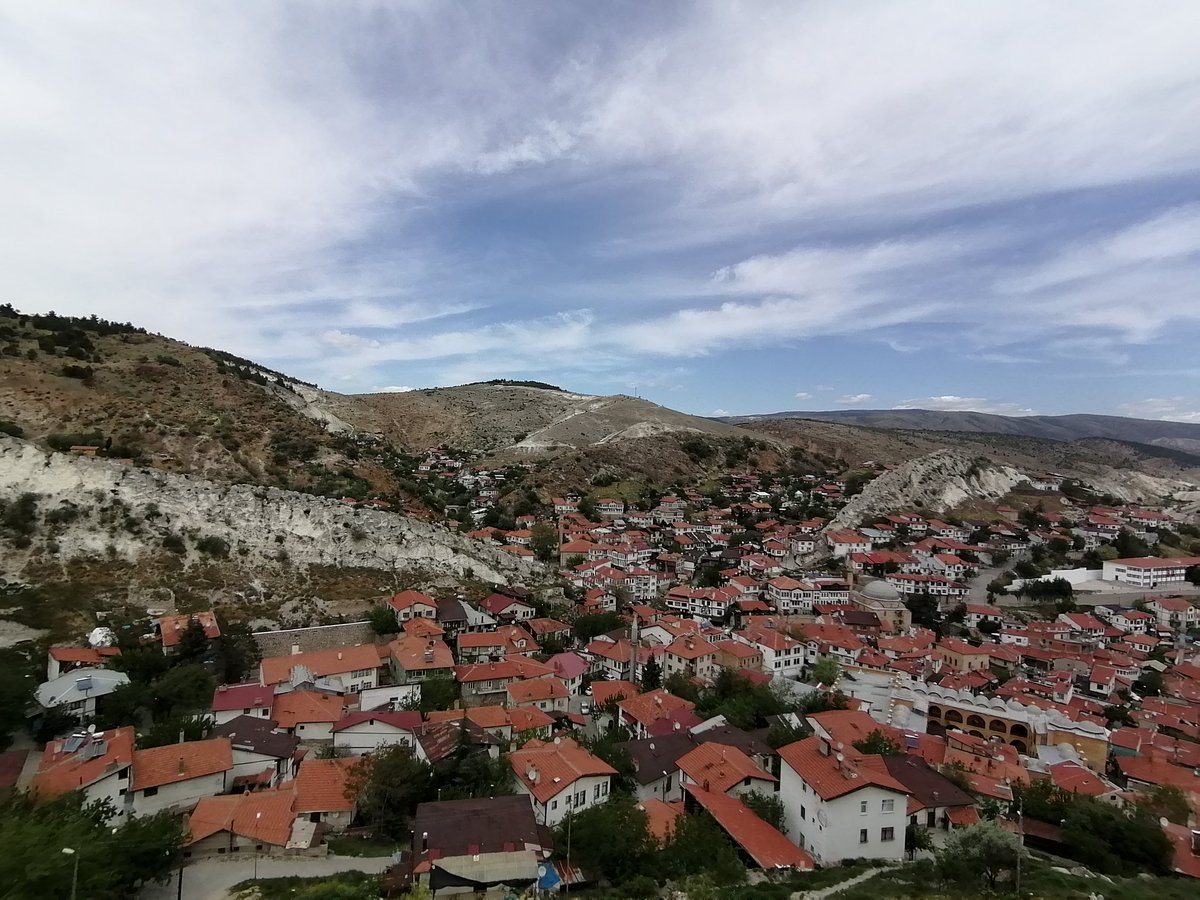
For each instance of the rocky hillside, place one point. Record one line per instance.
(61, 510)
(935, 483)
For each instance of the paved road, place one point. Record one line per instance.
(211, 879)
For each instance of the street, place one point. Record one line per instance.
(211, 879)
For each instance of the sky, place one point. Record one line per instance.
(722, 207)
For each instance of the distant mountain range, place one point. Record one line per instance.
(1176, 435)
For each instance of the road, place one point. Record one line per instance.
(211, 879)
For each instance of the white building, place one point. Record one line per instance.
(76, 692)
(560, 778)
(837, 808)
(1149, 571)
(362, 733)
(176, 776)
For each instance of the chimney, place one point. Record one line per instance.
(181, 768)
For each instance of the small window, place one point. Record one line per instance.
(150, 792)
(889, 805)
(887, 834)
(554, 804)
(862, 807)
(803, 813)
(862, 835)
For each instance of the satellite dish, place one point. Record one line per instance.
(841, 758)
(91, 729)
(541, 871)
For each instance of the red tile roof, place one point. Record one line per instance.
(548, 768)
(763, 843)
(88, 656)
(536, 689)
(717, 767)
(295, 707)
(660, 818)
(172, 627)
(404, 720)
(262, 816)
(322, 663)
(61, 771)
(603, 691)
(816, 763)
(652, 706)
(242, 696)
(173, 763)
(321, 785)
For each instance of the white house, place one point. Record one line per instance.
(76, 692)
(560, 778)
(1149, 571)
(836, 807)
(176, 776)
(231, 701)
(362, 733)
(1174, 613)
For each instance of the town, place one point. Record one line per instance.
(727, 680)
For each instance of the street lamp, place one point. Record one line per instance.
(75, 872)
(257, 816)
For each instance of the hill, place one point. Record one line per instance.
(1176, 435)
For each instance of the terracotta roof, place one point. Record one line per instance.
(408, 599)
(510, 667)
(173, 763)
(404, 720)
(829, 778)
(523, 718)
(61, 770)
(762, 842)
(422, 627)
(242, 696)
(88, 656)
(172, 627)
(535, 689)
(321, 785)
(690, 648)
(603, 691)
(652, 706)
(546, 626)
(568, 665)
(660, 818)
(322, 663)
(409, 652)
(262, 816)
(554, 767)
(719, 767)
(1078, 779)
(295, 707)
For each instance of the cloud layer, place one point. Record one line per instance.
(724, 199)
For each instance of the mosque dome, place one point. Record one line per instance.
(880, 590)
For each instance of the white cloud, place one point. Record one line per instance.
(392, 389)
(1170, 409)
(854, 399)
(346, 341)
(803, 395)
(720, 412)
(953, 403)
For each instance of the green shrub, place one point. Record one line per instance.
(11, 428)
(167, 360)
(213, 546)
(174, 543)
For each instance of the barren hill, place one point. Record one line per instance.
(515, 417)
(1177, 435)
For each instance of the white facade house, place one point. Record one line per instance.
(76, 692)
(836, 808)
(363, 733)
(560, 778)
(176, 776)
(1149, 572)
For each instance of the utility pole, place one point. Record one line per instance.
(1020, 842)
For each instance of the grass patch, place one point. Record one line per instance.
(361, 846)
(343, 885)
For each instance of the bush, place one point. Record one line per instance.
(213, 546)
(174, 543)
(12, 429)
(168, 360)
(83, 373)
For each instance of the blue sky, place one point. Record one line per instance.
(728, 207)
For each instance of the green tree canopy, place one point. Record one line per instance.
(878, 743)
(612, 839)
(979, 854)
(388, 785)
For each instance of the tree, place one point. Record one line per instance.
(612, 839)
(168, 731)
(681, 686)
(17, 681)
(1165, 801)
(383, 619)
(437, 693)
(878, 743)
(698, 845)
(979, 853)
(1117, 715)
(544, 542)
(916, 838)
(825, 671)
(587, 627)
(388, 785)
(1149, 684)
(114, 855)
(651, 675)
(238, 654)
(1116, 841)
(782, 733)
(767, 807)
(193, 643)
(183, 689)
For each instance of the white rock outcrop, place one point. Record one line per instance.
(935, 483)
(259, 524)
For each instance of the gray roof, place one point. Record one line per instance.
(482, 825)
(79, 684)
(258, 736)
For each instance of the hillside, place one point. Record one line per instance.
(494, 417)
(1176, 435)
